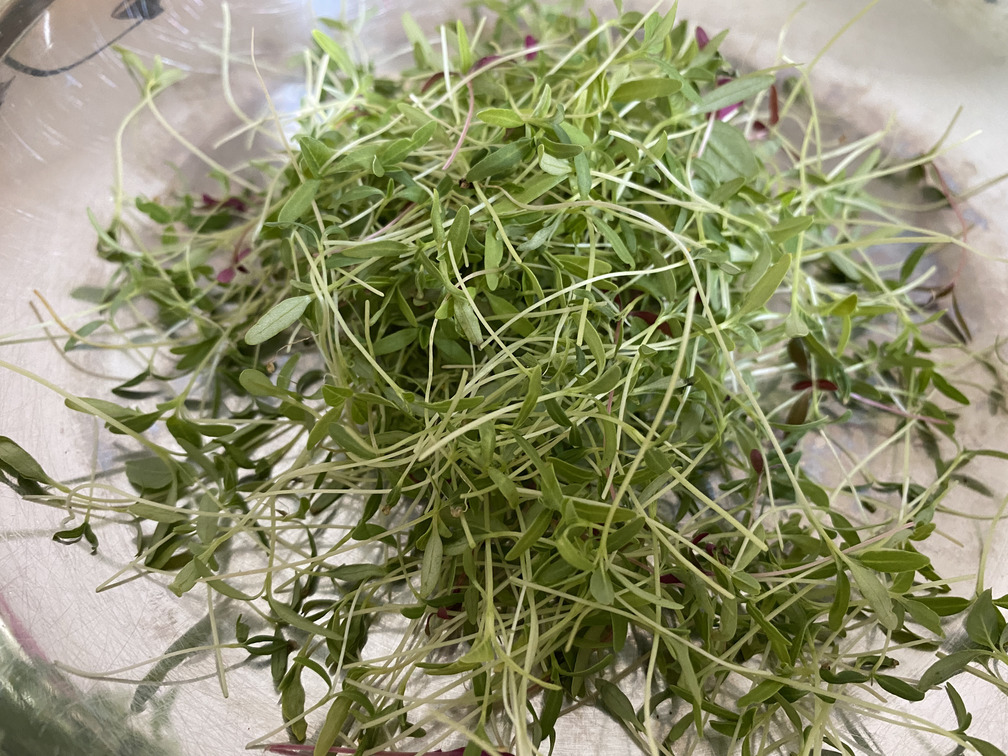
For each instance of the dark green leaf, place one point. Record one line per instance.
(963, 717)
(74, 535)
(984, 623)
(841, 601)
(984, 747)
(893, 560)
(759, 693)
(899, 687)
(16, 461)
(948, 667)
(616, 704)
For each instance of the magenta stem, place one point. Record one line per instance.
(465, 126)
(391, 223)
(894, 410)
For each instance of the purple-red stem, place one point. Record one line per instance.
(387, 226)
(465, 126)
(894, 410)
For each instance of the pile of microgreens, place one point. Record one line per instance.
(513, 360)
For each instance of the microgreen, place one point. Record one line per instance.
(519, 357)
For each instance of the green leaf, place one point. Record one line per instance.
(281, 316)
(615, 240)
(875, 593)
(615, 703)
(963, 717)
(465, 51)
(356, 573)
(571, 553)
(208, 521)
(766, 287)
(187, 577)
(503, 117)
(787, 228)
(458, 233)
(466, 319)
(844, 307)
(500, 161)
(606, 382)
(949, 666)
(984, 623)
(984, 747)
(531, 535)
(734, 91)
(150, 473)
(372, 250)
(505, 484)
(944, 606)
(154, 211)
(646, 89)
(893, 560)
(299, 202)
(74, 535)
(395, 342)
(257, 384)
(431, 563)
(16, 461)
(315, 154)
(843, 676)
(601, 586)
(332, 48)
(923, 615)
(912, 260)
(422, 50)
(759, 693)
(841, 601)
(493, 255)
(135, 421)
(531, 396)
(292, 703)
(898, 687)
(336, 717)
(948, 389)
(734, 150)
(536, 187)
(350, 442)
(578, 265)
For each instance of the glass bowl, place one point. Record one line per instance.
(64, 93)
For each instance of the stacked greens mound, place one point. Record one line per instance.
(513, 359)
